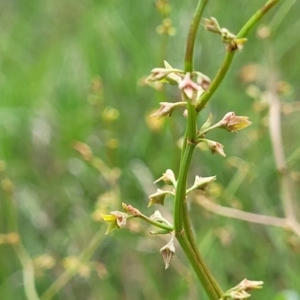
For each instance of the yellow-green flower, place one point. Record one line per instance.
(115, 219)
(233, 123)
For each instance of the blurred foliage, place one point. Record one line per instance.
(70, 76)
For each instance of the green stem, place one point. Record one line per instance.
(229, 55)
(208, 281)
(157, 224)
(182, 223)
(189, 52)
(256, 18)
(211, 287)
(181, 187)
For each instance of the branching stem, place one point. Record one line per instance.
(182, 224)
(252, 22)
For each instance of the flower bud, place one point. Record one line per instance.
(158, 197)
(202, 182)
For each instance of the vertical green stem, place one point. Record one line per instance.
(189, 52)
(182, 222)
(181, 187)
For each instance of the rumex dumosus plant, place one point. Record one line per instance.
(196, 90)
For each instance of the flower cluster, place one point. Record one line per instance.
(231, 40)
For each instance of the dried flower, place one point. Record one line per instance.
(158, 74)
(212, 25)
(201, 183)
(168, 178)
(158, 197)
(168, 251)
(167, 74)
(157, 216)
(129, 209)
(166, 109)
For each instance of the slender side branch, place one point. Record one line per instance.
(256, 18)
(252, 22)
(241, 215)
(216, 82)
(155, 223)
(286, 182)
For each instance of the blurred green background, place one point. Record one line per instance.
(76, 140)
